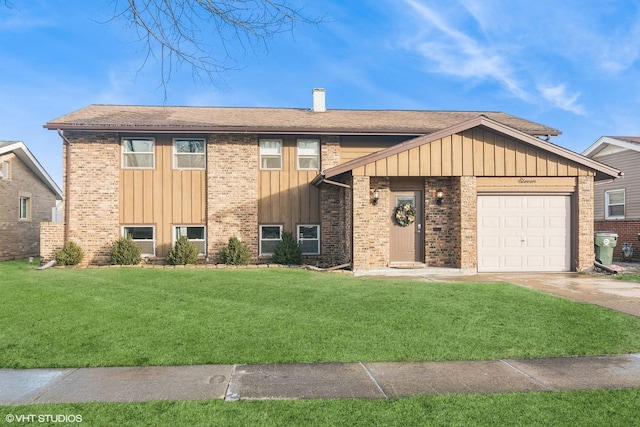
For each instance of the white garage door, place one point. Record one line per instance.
(524, 233)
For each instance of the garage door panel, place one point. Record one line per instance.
(524, 233)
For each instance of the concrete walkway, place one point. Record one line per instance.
(315, 381)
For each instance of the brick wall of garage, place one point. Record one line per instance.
(627, 231)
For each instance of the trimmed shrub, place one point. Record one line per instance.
(125, 252)
(235, 253)
(287, 251)
(184, 252)
(70, 254)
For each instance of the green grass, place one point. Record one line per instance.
(578, 408)
(137, 317)
(628, 277)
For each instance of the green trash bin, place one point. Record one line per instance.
(604, 242)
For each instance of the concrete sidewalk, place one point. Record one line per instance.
(316, 380)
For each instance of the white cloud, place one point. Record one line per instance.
(559, 97)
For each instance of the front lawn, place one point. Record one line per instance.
(144, 316)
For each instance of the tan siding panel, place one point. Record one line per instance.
(436, 158)
(467, 153)
(446, 157)
(456, 155)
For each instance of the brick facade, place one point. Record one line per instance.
(468, 223)
(584, 223)
(232, 192)
(442, 222)
(93, 193)
(21, 237)
(627, 231)
(51, 240)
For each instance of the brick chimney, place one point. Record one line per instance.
(319, 104)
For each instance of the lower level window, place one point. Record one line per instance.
(195, 234)
(270, 236)
(144, 237)
(309, 239)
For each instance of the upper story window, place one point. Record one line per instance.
(189, 154)
(308, 154)
(138, 153)
(4, 170)
(614, 204)
(270, 154)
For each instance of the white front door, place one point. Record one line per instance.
(524, 233)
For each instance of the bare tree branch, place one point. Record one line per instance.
(206, 35)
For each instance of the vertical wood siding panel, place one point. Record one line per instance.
(176, 202)
(478, 152)
(264, 212)
(403, 163)
(436, 158)
(381, 167)
(563, 167)
(521, 159)
(509, 157)
(447, 159)
(499, 156)
(532, 161)
(274, 196)
(489, 155)
(392, 165)
(552, 166)
(542, 163)
(187, 197)
(414, 162)
(456, 155)
(138, 196)
(467, 153)
(149, 186)
(425, 160)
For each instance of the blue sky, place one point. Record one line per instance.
(572, 65)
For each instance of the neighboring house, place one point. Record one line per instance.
(27, 197)
(617, 203)
(488, 193)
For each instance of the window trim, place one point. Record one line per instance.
(152, 152)
(281, 155)
(317, 155)
(152, 226)
(24, 214)
(260, 239)
(607, 204)
(174, 227)
(298, 238)
(174, 163)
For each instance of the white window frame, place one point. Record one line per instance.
(300, 153)
(269, 153)
(177, 155)
(24, 208)
(608, 204)
(301, 239)
(260, 227)
(4, 170)
(175, 236)
(151, 153)
(153, 227)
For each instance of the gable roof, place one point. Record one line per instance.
(624, 142)
(602, 171)
(131, 118)
(22, 152)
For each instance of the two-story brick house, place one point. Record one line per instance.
(339, 180)
(27, 197)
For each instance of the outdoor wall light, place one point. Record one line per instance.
(375, 197)
(439, 196)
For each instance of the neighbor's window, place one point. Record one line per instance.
(195, 234)
(270, 236)
(144, 237)
(270, 154)
(138, 153)
(189, 154)
(25, 208)
(4, 170)
(308, 154)
(614, 204)
(309, 239)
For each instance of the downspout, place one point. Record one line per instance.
(67, 208)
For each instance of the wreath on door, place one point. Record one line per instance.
(405, 214)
